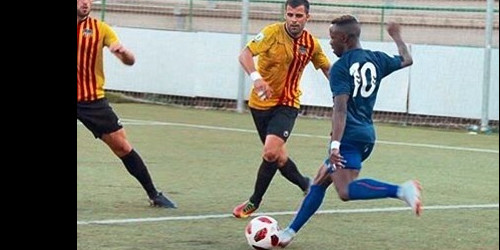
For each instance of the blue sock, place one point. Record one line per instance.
(365, 189)
(309, 205)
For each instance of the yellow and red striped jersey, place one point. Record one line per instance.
(91, 37)
(281, 62)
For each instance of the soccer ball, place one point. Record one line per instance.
(262, 232)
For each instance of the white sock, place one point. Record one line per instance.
(400, 192)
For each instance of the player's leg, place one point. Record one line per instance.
(310, 204)
(313, 199)
(366, 189)
(117, 142)
(134, 164)
(346, 183)
(266, 172)
(100, 118)
(281, 126)
(350, 188)
(289, 170)
(267, 168)
(270, 155)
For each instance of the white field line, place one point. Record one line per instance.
(156, 123)
(332, 211)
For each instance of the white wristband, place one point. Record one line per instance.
(261, 94)
(334, 145)
(255, 76)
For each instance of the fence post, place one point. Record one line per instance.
(190, 15)
(180, 18)
(485, 128)
(103, 9)
(382, 18)
(245, 9)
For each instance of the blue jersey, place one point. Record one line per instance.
(358, 73)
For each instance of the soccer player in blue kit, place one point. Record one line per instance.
(354, 81)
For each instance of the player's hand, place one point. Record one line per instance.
(394, 29)
(336, 158)
(262, 89)
(126, 56)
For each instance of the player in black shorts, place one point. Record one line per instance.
(92, 108)
(283, 50)
(278, 121)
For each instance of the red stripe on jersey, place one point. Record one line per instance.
(81, 76)
(292, 70)
(306, 58)
(88, 58)
(78, 80)
(300, 65)
(92, 76)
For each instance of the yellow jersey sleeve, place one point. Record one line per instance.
(109, 35)
(263, 41)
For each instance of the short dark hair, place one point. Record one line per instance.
(345, 19)
(348, 24)
(297, 3)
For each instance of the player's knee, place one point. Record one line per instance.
(343, 194)
(282, 159)
(270, 155)
(120, 149)
(344, 197)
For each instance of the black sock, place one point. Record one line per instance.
(291, 173)
(135, 166)
(267, 170)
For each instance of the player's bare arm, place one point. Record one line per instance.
(326, 71)
(261, 87)
(394, 30)
(125, 55)
(338, 125)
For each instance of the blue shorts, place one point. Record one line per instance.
(354, 154)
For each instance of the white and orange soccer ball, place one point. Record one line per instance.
(262, 232)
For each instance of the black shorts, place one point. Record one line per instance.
(278, 120)
(98, 117)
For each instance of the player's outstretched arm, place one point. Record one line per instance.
(394, 30)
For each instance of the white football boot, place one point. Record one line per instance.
(285, 236)
(409, 192)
